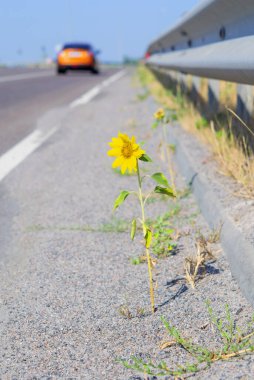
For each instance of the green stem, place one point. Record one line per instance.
(148, 196)
(170, 166)
(144, 232)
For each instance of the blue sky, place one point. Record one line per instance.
(30, 29)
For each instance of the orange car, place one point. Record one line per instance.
(77, 56)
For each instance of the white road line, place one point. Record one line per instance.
(24, 148)
(113, 78)
(84, 99)
(12, 78)
(20, 151)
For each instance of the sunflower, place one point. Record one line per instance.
(160, 114)
(126, 151)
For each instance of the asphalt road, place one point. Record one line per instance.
(65, 269)
(26, 94)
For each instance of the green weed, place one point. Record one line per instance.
(163, 243)
(114, 225)
(201, 123)
(143, 96)
(138, 260)
(234, 343)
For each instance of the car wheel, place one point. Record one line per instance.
(95, 69)
(60, 70)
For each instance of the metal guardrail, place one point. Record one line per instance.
(215, 40)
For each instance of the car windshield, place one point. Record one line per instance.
(77, 46)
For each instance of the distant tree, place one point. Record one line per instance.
(129, 60)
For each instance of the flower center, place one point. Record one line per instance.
(127, 150)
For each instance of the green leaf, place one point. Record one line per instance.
(172, 147)
(161, 179)
(133, 229)
(145, 158)
(155, 124)
(174, 117)
(164, 190)
(121, 198)
(148, 236)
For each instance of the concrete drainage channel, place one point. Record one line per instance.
(201, 46)
(214, 194)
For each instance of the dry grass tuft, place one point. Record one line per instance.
(213, 237)
(195, 268)
(228, 93)
(233, 156)
(125, 312)
(234, 159)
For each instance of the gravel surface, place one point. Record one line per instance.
(64, 277)
(219, 199)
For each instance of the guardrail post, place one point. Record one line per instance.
(213, 96)
(182, 82)
(195, 90)
(245, 109)
(245, 105)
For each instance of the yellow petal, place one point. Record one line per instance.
(124, 166)
(138, 153)
(118, 162)
(123, 137)
(116, 142)
(114, 152)
(132, 164)
(135, 146)
(133, 140)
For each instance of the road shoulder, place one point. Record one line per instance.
(61, 300)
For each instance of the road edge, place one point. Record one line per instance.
(239, 251)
